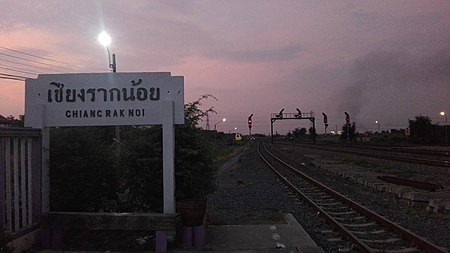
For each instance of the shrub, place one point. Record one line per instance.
(81, 169)
(86, 174)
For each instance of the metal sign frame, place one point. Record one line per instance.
(105, 99)
(289, 116)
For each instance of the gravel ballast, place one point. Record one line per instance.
(248, 192)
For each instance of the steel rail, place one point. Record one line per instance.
(421, 151)
(378, 155)
(399, 158)
(408, 235)
(360, 244)
(397, 149)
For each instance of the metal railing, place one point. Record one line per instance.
(20, 179)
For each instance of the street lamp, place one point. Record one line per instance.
(446, 136)
(378, 124)
(105, 40)
(215, 125)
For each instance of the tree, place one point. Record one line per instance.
(192, 112)
(82, 172)
(84, 177)
(13, 122)
(299, 132)
(312, 131)
(423, 131)
(289, 135)
(141, 161)
(348, 132)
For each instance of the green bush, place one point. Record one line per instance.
(82, 176)
(194, 174)
(87, 175)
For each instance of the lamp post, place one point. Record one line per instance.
(105, 40)
(446, 136)
(215, 125)
(378, 124)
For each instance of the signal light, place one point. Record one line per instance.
(325, 118)
(299, 113)
(347, 118)
(249, 121)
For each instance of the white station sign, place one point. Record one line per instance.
(102, 99)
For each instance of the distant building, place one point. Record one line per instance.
(10, 122)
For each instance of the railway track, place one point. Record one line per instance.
(366, 230)
(427, 157)
(395, 149)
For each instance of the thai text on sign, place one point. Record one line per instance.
(96, 99)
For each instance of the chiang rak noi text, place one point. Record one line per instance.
(113, 113)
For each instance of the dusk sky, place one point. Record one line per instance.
(385, 61)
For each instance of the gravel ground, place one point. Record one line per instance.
(249, 193)
(434, 227)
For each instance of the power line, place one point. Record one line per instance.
(17, 70)
(28, 65)
(28, 60)
(13, 68)
(12, 77)
(32, 55)
(72, 66)
(32, 64)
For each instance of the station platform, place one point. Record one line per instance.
(289, 237)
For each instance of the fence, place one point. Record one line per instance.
(20, 179)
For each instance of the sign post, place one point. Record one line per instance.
(107, 99)
(169, 157)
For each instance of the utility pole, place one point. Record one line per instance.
(105, 40)
(446, 136)
(347, 123)
(207, 121)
